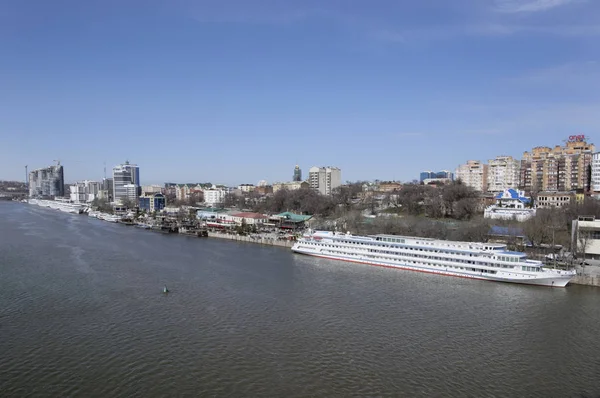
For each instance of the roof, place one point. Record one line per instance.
(249, 215)
(513, 253)
(506, 231)
(293, 217)
(212, 210)
(512, 194)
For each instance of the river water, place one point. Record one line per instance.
(82, 314)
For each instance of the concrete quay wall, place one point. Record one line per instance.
(586, 280)
(588, 275)
(253, 239)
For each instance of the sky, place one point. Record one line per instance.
(240, 91)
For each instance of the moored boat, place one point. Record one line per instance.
(485, 261)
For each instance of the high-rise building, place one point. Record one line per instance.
(47, 182)
(503, 173)
(473, 174)
(126, 182)
(85, 191)
(558, 169)
(297, 174)
(595, 174)
(325, 179)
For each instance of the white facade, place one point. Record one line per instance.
(510, 204)
(595, 185)
(503, 173)
(123, 175)
(325, 179)
(85, 191)
(585, 235)
(150, 189)
(246, 188)
(131, 193)
(214, 196)
(473, 174)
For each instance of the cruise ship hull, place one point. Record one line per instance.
(550, 281)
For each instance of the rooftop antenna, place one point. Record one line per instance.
(57, 162)
(105, 169)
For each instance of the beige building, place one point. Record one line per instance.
(562, 168)
(389, 186)
(151, 189)
(473, 174)
(503, 173)
(290, 186)
(554, 199)
(246, 188)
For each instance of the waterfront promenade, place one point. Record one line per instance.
(261, 239)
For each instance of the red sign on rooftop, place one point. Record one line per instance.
(577, 138)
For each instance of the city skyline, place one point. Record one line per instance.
(381, 90)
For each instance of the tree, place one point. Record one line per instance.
(583, 242)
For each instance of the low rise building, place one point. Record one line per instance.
(436, 181)
(246, 188)
(289, 220)
(153, 202)
(554, 199)
(151, 189)
(510, 204)
(389, 186)
(290, 186)
(264, 189)
(585, 235)
(214, 196)
(249, 218)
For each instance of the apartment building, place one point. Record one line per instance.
(562, 168)
(473, 174)
(324, 179)
(503, 173)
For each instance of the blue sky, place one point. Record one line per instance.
(239, 91)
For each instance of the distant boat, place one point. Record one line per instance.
(165, 290)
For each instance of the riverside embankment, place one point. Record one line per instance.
(259, 239)
(588, 275)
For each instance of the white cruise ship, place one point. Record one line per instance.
(60, 204)
(486, 261)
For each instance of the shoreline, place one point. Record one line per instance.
(579, 279)
(253, 239)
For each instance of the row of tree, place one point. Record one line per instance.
(455, 200)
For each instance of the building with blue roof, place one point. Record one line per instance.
(510, 204)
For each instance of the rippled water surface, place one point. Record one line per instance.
(82, 314)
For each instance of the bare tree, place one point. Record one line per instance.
(583, 242)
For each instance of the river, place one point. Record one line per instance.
(82, 313)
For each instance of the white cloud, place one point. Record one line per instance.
(521, 6)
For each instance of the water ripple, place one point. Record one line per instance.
(82, 314)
